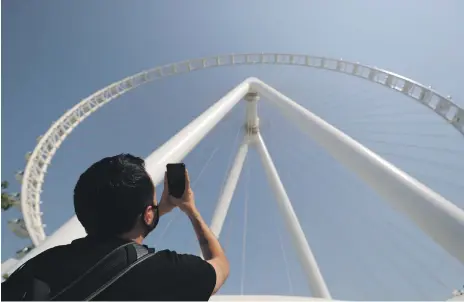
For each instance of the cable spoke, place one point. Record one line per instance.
(176, 214)
(396, 133)
(245, 224)
(409, 145)
(366, 219)
(423, 161)
(287, 270)
(229, 166)
(231, 158)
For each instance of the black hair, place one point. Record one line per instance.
(111, 195)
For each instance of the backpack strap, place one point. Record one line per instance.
(105, 272)
(118, 276)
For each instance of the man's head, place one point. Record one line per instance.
(116, 197)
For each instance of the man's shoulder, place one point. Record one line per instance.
(176, 258)
(172, 262)
(53, 254)
(68, 260)
(182, 264)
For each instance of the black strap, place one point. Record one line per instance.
(103, 274)
(115, 278)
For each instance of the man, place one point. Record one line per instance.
(115, 202)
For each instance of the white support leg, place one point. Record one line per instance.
(442, 220)
(227, 193)
(316, 281)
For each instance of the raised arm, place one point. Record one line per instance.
(210, 246)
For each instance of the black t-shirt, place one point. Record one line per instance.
(165, 275)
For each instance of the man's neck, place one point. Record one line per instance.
(135, 238)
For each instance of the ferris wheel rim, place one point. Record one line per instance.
(49, 143)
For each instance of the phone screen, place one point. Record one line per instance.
(176, 179)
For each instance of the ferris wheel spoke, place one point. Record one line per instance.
(398, 133)
(419, 264)
(323, 104)
(327, 216)
(205, 166)
(245, 225)
(231, 157)
(412, 258)
(420, 291)
(363, 100)
(324, 214)
(384, 124)
(298, 159)
(349, 99)
(168, 224)
(423, 160)
(385, 223)
(393, 116)
(287, 269)
(434, 253)
(403, 122)
(229, 165)
(433, 179)
(382, 254)
(379, 251)
(228, 234)
(398, 127)
(416, 146)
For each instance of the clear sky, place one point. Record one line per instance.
(55, 53)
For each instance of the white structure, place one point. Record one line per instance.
(459, 297)
(436, 216)
(8, 265)
(18, 227)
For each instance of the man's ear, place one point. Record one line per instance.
(148, 215)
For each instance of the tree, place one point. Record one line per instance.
(8, 199)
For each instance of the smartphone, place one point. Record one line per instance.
(176, 179)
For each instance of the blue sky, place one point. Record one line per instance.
(55, 53)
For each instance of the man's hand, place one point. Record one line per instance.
(187, 202)
(165, 205)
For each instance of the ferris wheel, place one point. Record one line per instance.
(439, 218)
